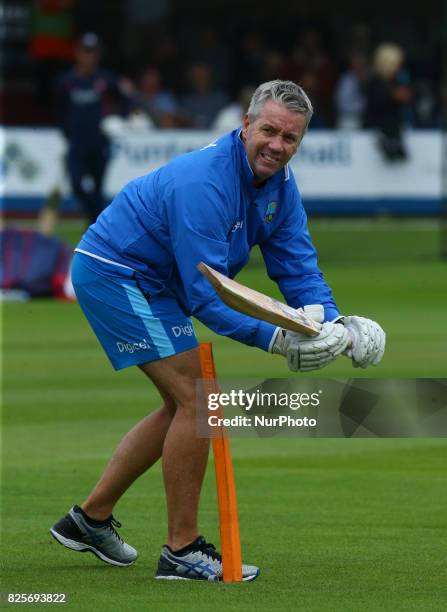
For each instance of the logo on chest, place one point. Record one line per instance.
(270, 212)
(238, 225)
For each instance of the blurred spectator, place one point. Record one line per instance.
(249, 59)
(84, 95)
(217, 55)
(202, 102)
(426, 75)
(388, 93)
(230, 117)
(360, 39)
(350, 98)
(309, 57)
(168, 58)
(271, 66)
(241, 47)
(311, 84)
(51, 44)
(159, 104)
(142, 27)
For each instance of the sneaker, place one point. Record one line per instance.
(76, 532)
(198, 561)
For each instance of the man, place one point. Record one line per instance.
(136, 278)
(84, 95)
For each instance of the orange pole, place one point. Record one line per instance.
(226, 491)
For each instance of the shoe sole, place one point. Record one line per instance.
(174, 578)
(246, 579)
(79, 547)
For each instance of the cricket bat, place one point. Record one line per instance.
(257, 305)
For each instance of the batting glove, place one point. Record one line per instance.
(306, 354)
(367, 341)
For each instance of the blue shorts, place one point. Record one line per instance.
(131, 329)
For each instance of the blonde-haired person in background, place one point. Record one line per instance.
(388, 94)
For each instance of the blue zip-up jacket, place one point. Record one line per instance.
(203, 206)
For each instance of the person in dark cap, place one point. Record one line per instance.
(84, 95)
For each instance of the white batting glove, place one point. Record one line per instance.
(304, 353)
(367, 341)
(314, 311)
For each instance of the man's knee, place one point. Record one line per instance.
(169, 406)
(188, 396)
(178, 380)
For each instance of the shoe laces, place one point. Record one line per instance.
(210, 550)
(112, 523)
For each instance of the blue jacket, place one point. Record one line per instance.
(203, 206)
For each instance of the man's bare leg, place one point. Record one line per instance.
(136, 453)
(184, 464)
(184, 456)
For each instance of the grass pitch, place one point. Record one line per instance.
(334, 524)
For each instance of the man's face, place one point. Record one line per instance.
(272, 139)
(87, 59)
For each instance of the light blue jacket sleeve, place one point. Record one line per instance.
(291, 261)
(200, 221)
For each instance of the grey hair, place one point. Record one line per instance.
(284, 92)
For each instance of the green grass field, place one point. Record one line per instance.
(335, 524)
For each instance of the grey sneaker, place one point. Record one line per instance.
(74, 532)
(198, 561)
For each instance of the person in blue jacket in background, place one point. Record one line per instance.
(84, 95)
(135, 275)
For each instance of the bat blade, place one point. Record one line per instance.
(257, 305)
